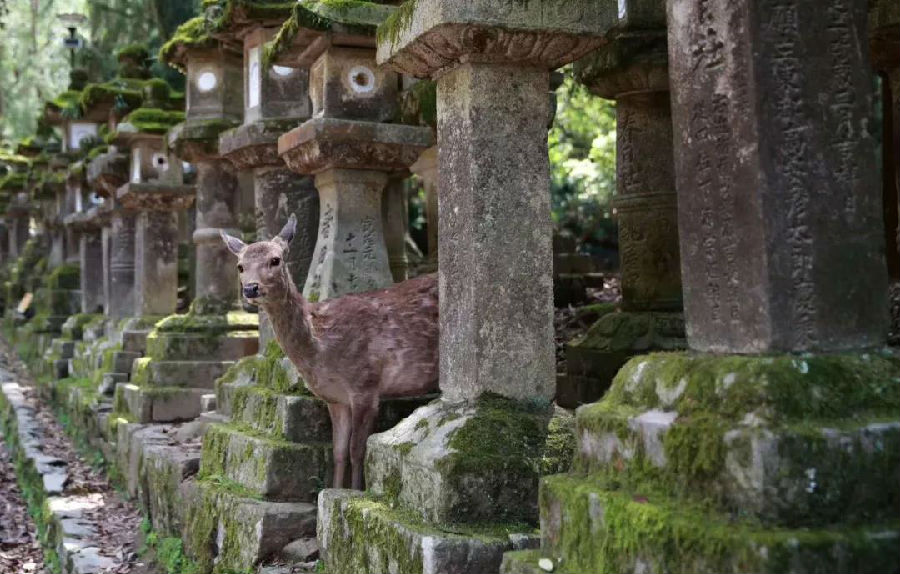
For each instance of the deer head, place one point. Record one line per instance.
(263, 273)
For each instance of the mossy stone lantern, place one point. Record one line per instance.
(275, 101)
(348, 143)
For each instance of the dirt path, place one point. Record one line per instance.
(113, 520)
(20, 551)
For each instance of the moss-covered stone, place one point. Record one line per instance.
(274, 469)
(365, 534)
(153, 120)
(790, 440)
(192, 34)
(592, 526)
(469, 461)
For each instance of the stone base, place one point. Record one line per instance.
(593, 359)
(588, 527)
(229, 531)
(164, 468)
(158, 404)
(711, 463)
(266, 467)
(362, 534)
(465, 462)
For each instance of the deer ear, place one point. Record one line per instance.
(287, 232)
(233, 244)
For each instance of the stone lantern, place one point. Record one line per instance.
(491, 62)
(631, 68)
(275, 100)
(185, 354)
(155, 192)
(349, 147)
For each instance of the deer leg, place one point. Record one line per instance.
(364, 413)
(340, 440)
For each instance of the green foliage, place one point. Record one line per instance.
(582, 149)
(154, 120)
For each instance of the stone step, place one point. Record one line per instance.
(197, 374)
(588, 527)
(293, 418)
(809, 473)
(122, 361)
(73, 328)
(234, 532)
(158, 404)
(164, 468)
(176, 346)
(301, 417)
(362, 534)
(273, 469)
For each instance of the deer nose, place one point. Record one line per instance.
(251, 290)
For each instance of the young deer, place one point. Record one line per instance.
(351, 351)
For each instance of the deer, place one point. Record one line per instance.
(352, 350)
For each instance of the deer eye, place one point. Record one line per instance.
(275, 261)
(240, 268)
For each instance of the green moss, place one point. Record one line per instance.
(96, 151)
(193, 34)
(607, 529)
(778, 387)
(353, 16)
(135, 52)
(120, 93)
(13, 181)
(364, 536)
(559, 448)
(495, 460)
(396, 23)
(67, 104)
(196, 321)
(154, 120)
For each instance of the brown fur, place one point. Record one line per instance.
(351, 351)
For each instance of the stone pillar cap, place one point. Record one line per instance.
(323, 143)
(255, 144)
(155, 196)
(316, 25)
(425, 37)
(107, 172)
(198, 139)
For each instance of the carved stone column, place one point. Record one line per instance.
(631, 68)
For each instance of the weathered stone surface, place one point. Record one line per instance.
(584, 522)
(186, 346)
(347, 83)
(164, 468)
(108, 171)
(274, 469)
(359, 533)
(395, 214)
(120, 295)
(499, 339)
(196, 374)
(323, 143)
(158, 404)
(278, 193)
(236, 533)
(91, 263)
(462, 462)
(217, 193)
(155, 196)
(350, 254)
(269, 91)
(776, 176)
(439, 34)
(301, 550)
(793, 441)
(594, 358)
(214, 85)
